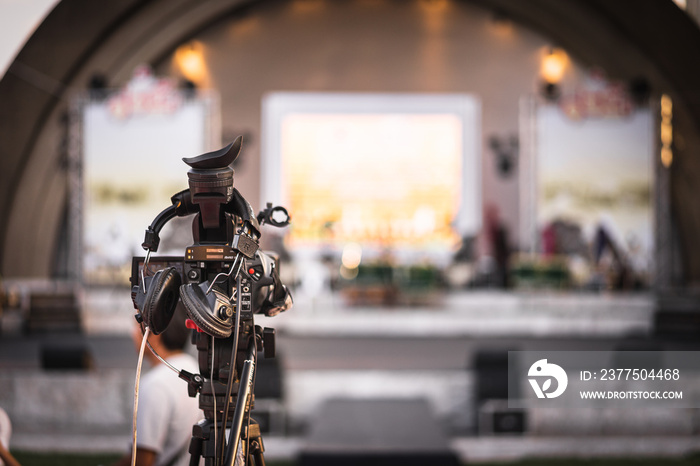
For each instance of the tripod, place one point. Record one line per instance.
(245, 444)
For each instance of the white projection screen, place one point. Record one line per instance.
(388, 171)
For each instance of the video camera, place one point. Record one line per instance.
(222, 280)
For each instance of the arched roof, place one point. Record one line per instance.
(628, 38)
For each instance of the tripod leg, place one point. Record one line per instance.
(195, 451)
(202, 443)
(256, 452)
(256, 444)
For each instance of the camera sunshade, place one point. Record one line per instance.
(211, 312)
(161, 299)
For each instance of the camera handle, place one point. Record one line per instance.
(183, 206)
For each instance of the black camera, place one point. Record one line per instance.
(222, 281)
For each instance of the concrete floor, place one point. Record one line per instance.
(328, 350)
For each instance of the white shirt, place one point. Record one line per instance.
(5, 431)
(166, 413)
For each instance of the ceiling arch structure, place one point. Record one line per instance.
(627, 38)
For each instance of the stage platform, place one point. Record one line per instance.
(484, 313)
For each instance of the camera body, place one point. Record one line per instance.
(202, 264)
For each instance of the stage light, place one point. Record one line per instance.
(189, 59)
(554, 65)
(666, 130)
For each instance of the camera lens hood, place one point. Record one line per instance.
(212, 313)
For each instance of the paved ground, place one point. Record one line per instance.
(330, 353)
(328, 350)
(336, 353)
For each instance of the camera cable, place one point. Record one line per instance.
(145, 266)
(160, 358)
(136, 392)
(213, 391)
(227, 275)
(229, 384)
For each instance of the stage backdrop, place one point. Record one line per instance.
(594, 170)
(387, 171)
(133, 143)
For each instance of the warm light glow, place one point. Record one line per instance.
(350, 261)
(666, 130)
(502, 28)
(435, 12)
(554, 65)
(352, 256)
(435, 5)
(348, 274)
(244, 27)
(189, 59)
(307, 6)
(379, 179)
(666, 106)
(666, 156)
(682, 4)
(666, 134)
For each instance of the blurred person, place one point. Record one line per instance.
(497, 237)
(6, 458)
(166, 413)
(613, 267)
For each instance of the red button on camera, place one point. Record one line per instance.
(189, 323)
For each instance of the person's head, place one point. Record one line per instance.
(172, 340)
(177, 335)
